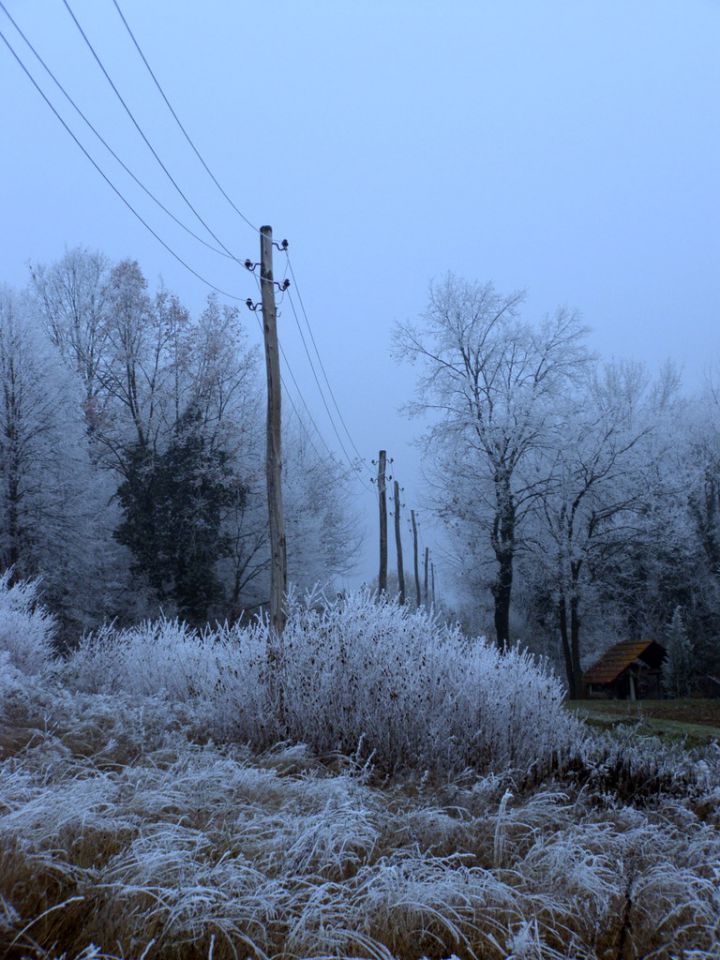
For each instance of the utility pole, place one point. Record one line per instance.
(418, 600)
(278, 549)
(382, 501)
(425, 583)
(432, 582)
(398, 542)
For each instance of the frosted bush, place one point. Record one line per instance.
(416, 691)
(26, 629)
(352, 675)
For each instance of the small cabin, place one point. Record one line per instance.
(630, 670)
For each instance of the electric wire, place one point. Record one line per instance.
(115, 189)
(102, 140)
(320, 361)
(300, 394)
(142, 132)
(109, 182)
(179, 122)
(147, 226)
(317, 381)
(250, 224)
(354, 466)
(171, 178)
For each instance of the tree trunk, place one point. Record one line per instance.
(503, 543)
(502, 593)
(567, 647)
(575, 645)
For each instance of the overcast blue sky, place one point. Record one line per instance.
(572, 148)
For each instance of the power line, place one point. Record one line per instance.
(353, 466)
(69, 131)
(317, 352)
(300, 394)
(109, 182)
(142, 133)
(317, 381)
(178, 121)
(186, 200)
(102, 140)
(248, 222)
(307, 408)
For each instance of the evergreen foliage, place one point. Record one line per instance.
(678, 666)
(173, 505)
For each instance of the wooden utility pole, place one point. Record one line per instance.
(426, 577)
(432, 582)
(418, 600)
(398, 542)
(278, 549)
(382, 501)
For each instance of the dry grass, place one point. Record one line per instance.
(120, 831)
(126, 832)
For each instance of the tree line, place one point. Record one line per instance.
(580, 498)
(132, 453)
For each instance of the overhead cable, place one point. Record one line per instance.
(299, 391)
(103, 141)
(179, 122)
(142, 132)
(320, 361)
(219, 186)
(109, 182)
(317, 381)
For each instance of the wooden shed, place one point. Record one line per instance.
(628, 671)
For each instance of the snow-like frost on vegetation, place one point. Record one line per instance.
(126, 833)
(26, 629)
(352, 674)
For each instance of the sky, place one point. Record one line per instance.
(568, 148)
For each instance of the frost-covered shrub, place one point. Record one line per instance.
(220, 673)
(352, 674)
(415, 690)
(26, 629)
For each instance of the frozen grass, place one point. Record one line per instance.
(125, 832)
(118, 830)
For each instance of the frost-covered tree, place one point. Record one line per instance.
(49, 500)
(490, 382)
(167, 410)
(587, 513)
(72, 300)
(322, 532)
(678, 666)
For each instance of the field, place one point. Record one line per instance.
(695, 719)
(139, 824)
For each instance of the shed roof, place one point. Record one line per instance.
(615, 660)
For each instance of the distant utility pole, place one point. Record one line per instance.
(278, 548)
(425, 579)
(382, 502)
(398, 542)
(432, 582)
(418, 601)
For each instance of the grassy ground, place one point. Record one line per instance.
(120, 828)
(697, 720)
